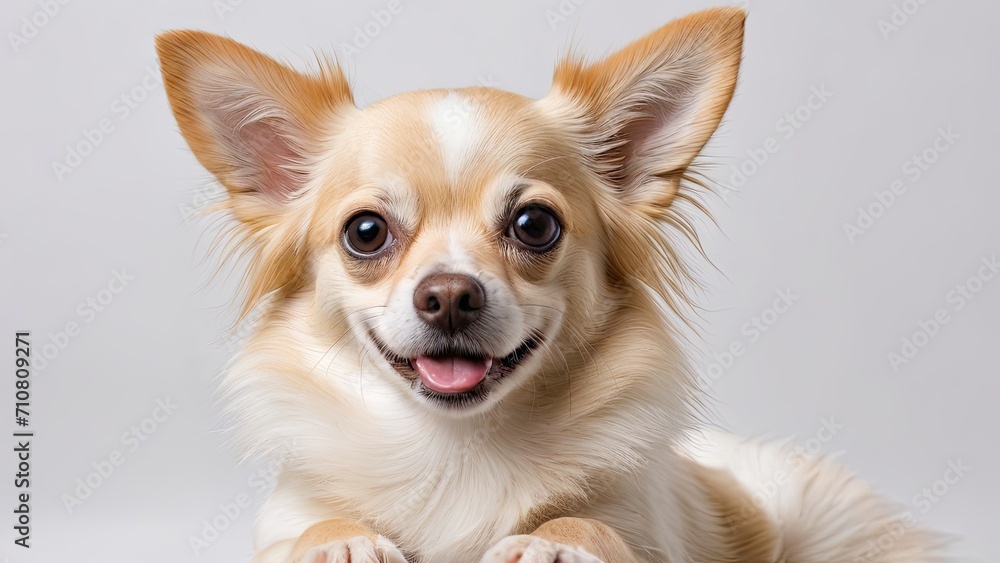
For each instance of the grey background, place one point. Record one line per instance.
(163, 336)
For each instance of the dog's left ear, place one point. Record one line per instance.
(644, 113)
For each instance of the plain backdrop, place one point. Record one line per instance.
(869, 87)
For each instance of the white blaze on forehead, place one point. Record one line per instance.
(456, 127)
(459, 258)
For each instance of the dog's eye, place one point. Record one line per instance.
(367, 234)
(535, 227)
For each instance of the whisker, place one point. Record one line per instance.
(578, 339)
(349, 330)
(337, 322)
(334, 345)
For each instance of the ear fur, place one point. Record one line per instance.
(251, 121)
(649, 108)
(257, 126)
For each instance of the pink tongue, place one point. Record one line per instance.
(451, 374)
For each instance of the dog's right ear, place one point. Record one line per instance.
(257, 125)
(251, 121)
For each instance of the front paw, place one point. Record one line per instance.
(531, 549)
(359, 549)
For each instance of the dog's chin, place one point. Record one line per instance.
(464, 400)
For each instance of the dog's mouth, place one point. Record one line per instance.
(454, 377)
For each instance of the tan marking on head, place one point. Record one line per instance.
(395, 145)
(588, 143)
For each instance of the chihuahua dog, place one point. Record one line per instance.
(469, 345)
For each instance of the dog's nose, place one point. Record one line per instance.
(449, 302)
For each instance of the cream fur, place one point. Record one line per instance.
(592, 440)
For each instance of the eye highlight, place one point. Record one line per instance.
(367, 234)
(535, 227)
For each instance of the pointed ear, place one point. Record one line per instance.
(645, 112)
(251, 121)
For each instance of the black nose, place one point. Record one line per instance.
(449, 302)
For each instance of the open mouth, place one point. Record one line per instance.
(455, 377)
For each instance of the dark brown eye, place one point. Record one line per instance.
(535, 227)
(367, 234)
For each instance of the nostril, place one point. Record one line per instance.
(450, 302)
(474, 298)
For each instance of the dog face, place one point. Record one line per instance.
(453, 253)
(467, 242)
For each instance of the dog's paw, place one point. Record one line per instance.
(531, 549)
(354, 550)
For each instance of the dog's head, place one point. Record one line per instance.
(472, 241)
